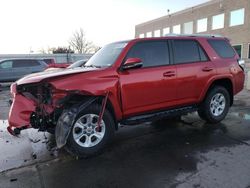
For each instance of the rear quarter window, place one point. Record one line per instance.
(222, 48)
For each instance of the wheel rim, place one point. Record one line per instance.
(217, 104)
(85, 131)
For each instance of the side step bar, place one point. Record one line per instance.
(159, 115)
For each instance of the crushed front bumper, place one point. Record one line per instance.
(20, 111)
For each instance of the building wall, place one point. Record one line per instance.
(237, 34)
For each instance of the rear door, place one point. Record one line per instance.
(193, 69)
(21, 67)
(37, 66)
(152, 86)
(27, 66)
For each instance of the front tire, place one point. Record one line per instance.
(85, 139)
(216, 105)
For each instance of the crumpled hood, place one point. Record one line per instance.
(37, 77)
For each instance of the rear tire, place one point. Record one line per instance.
(84, 139)
(216, 105)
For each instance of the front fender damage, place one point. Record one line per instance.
(67, 119)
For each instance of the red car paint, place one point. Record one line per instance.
(59, 65)
(133, 91)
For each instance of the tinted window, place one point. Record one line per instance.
(222, 48)
(249, 51)
(153, 53)
(25, 63)
(187, 51)
(238, 49)
(6, 65)
(203, 55)
(48, 61)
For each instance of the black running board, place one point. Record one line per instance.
(159, 115)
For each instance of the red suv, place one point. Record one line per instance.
(128, 82)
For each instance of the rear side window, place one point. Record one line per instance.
(222, 48)
(188, 51)
(25, 63)
(49, 61)
(152, 53)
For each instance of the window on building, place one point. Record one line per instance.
(157, 33)
(222, 48)
(177, 29)
(153, 53)
(238, 49)
(188, 51)
(188, 28)
(166, 31)
(202, 25)
(149, 34)
(141, 35)
(218, 21)
(237, 17)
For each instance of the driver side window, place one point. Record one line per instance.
(152, 53)
(6, 65)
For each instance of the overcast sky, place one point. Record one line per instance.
(38, 24)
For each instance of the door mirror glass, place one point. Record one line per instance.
(131, 63)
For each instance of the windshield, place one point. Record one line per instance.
(79, 63)
(106, 56)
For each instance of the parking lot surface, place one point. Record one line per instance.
(184, 152)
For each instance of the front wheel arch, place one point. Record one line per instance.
(108, 124)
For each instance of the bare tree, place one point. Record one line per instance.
(80, 44)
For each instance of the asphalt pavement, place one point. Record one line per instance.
(167, 153)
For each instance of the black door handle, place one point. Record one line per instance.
(169, 74)
(207, 69)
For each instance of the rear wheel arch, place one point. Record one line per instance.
(223, 82)
(215, 106)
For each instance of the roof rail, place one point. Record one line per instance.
(192, 35)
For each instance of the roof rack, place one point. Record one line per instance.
(192, 35)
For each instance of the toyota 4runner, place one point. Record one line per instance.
(128, 82)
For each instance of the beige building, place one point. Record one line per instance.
(230, 18)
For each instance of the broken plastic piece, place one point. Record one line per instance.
(66, 120)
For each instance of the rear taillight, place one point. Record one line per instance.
(241, 63)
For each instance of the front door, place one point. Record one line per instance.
(153, 86)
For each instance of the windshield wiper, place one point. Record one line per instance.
(94, 66)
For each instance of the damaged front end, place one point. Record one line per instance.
(43, 107)
(39, 106)
(34, 105)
